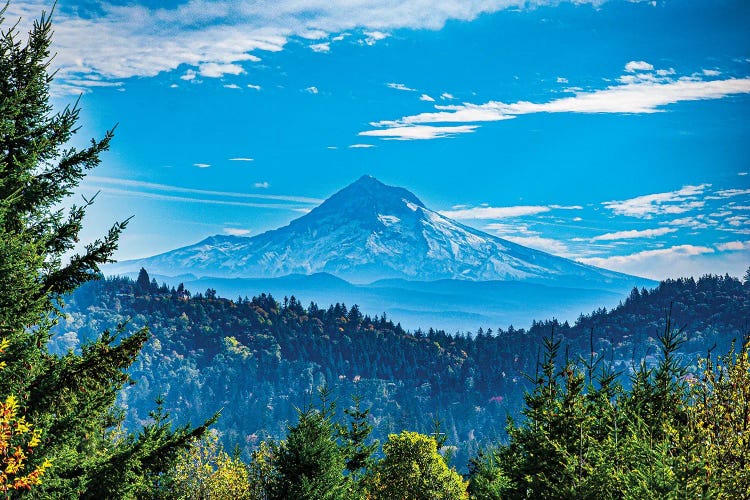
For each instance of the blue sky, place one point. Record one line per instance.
(612, 132)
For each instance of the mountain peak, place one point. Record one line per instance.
(369, 231)
(367, 195)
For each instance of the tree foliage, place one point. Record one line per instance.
(412, 469)
(671, 434)
(67, 398)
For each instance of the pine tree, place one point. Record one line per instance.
(143, 283)
(310, 463)
(357, 452)
(67, 399)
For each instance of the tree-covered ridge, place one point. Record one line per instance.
(258, 358)
(672, 434)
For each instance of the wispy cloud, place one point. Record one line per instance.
(729, 193)
(217, 36)
(635, 93)
(648, 259)
(400, 86)
(262, 185)
(670, 202)
(427, 98)
(418, 132)
(241, 158)
(484, 213)
(139, 194)
(252, 86)
(361, 146)
(143, 187)
(234, 231)
(679, 260)
(216, 70)
(321, 47)
(233, 86)
(202, 165)
(373, 37)
(633, 234)
(312, 90)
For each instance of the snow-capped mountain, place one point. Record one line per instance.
(369, 231)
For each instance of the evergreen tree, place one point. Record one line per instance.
(67, 399)
(357, 452)
(143, 283)
(310, 463)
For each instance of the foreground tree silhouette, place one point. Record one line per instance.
(67, 399)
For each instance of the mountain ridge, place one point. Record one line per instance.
(369, 231)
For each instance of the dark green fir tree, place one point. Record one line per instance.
(68, 400)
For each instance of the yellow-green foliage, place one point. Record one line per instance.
(720, 423)
(17, 439)
(413, 470)
(205, 470)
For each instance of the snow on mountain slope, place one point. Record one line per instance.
(369, 231)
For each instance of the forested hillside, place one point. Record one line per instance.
(258, 359)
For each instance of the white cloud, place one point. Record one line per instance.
(711, 72)
(649, 263)
(733, 246)
(216, 70)
(634, 66)
(361, 146)
(262, 185)
(122, 40)
(372, 37)
(234, 231)
(477, 213)
(174, 86)
(400, 86)
(312, 90)
(321, 47)
(729, 193)
(671, 202)
(544, 244)
(143, 187)
(189, 75)
(560, 79)
(241, 158)
(233, 86)
(254, 87)
(446, 96)
(742, 173)
(677, 261)
(202, 165)
(636, 94)
(417, 132)
(425, 97)
(628, 235)
(691, 222)
(485, 211)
